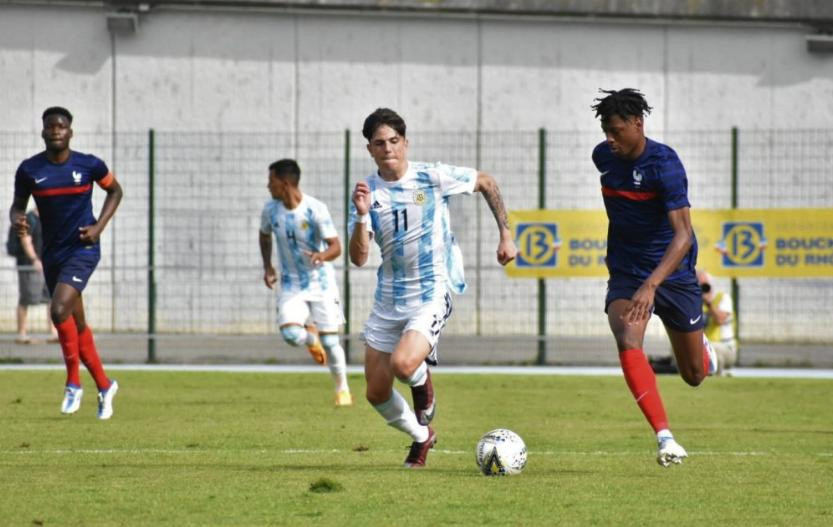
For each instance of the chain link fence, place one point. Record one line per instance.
(209, 189)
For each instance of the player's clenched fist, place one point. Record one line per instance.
(506, 251)
(361, 197)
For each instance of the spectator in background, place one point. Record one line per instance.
(718, 311)
(31, 284)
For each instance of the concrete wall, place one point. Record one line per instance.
(269, 70)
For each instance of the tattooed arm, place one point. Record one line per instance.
(487, 186)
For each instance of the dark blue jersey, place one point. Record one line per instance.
(63, 193)
(638, 196)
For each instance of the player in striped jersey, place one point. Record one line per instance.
(403, 206)
(307, 242)
(651, 254)
(61, 181)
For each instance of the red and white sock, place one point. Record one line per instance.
(68, 337)
(89, 355)
(643, 385)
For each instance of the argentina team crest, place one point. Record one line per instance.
(419, 197)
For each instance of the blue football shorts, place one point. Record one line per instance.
(75, 270)
(678, 304)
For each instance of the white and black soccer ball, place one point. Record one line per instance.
(501, 452)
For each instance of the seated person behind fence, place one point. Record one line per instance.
(719, 319)
(31, 284)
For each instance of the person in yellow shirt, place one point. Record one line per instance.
(718, 312)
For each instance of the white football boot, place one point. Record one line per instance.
(670, 451)
(105, 401)
(72, 399)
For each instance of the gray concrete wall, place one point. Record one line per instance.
(271, 70)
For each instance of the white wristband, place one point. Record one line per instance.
(363, 218)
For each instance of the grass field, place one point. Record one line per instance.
(255, 449)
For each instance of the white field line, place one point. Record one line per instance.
(776, 373)
(319, 451)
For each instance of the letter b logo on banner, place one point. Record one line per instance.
(743, 244)
(538, 244)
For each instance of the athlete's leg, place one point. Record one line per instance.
(408, 358)
(63, 303)
(692, 355)
(337, 365)
(87, 349)
(22, 331)
(408, 364)
(385, 399)
(638, 373)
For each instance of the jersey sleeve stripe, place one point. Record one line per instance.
(106, 181)
(62, 191)
(628, 194)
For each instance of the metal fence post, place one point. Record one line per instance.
(151, 250)
(735, 288)
(346, 243)
(542, 283)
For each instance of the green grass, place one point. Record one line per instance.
(255, 449)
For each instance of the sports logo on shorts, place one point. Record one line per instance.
(419, 197)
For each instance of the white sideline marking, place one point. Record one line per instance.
(775, 373)
(314, 451)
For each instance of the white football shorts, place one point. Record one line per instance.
(384, 328)
(325, 311)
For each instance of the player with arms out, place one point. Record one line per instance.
(61, 181)
(307, 242)
(404, 207)
(651, 256)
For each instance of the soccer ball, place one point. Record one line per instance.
(501, 452)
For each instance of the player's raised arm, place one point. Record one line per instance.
(359, 245)
(487, 186)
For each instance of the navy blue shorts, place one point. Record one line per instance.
(678, 304)
(75, 270)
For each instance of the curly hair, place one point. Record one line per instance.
(625, 103)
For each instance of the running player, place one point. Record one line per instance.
(61, 181)
(307, 242)
(403, 206)
(651, 256)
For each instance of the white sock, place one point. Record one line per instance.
(337, 364)
(310, 338)
(419, 376)
(399, 415)
(664, 434)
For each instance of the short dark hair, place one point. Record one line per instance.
(59, 110)
(625, 103)
(287, 169)
(382, 117)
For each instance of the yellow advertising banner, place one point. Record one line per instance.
(783, 243)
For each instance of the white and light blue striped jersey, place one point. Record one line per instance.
(297, 231)
(410, 223)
